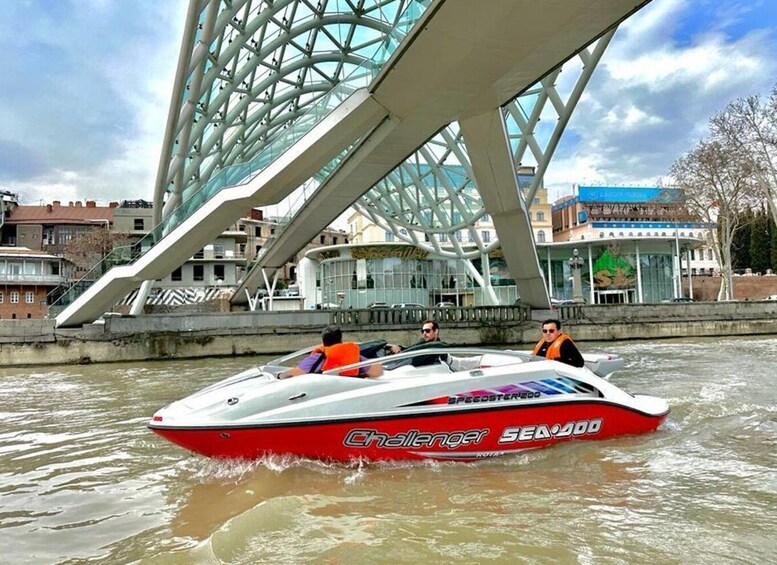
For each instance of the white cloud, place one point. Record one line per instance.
(86, 117)
(85, 113)
(668, 70)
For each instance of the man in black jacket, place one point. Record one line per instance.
(430, 337)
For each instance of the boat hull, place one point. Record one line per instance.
(457, 435)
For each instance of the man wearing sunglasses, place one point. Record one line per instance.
(557, 346)
(429, 332)
(430, 337)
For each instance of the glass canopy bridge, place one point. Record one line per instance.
(433, 63)
(397, 23)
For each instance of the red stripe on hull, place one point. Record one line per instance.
(462, 435)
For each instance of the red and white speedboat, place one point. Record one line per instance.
(470, 404)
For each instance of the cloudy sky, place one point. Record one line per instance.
(85, 87)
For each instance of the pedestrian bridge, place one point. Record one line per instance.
(438, 62)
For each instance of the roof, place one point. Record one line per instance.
(25, 252)
(630, 194)
(53, 214)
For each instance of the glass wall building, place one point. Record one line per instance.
(626, 270)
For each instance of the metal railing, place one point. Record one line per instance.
(396, 317)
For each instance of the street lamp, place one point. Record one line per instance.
(576, 264)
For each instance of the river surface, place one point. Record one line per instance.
(83, 480)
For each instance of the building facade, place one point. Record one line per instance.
(627, 270)
(27, 279)
(611, 212)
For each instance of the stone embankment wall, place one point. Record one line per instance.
(755, 287)
(179, 336)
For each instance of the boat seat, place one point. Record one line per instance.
(464, 363)
(410, 371)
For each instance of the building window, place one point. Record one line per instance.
(64, 235)
(199, 272)
(2, 297)
(486, 218)
(486, 235)
(258, 231)
(443, 237)
(540, 216)
(322, 239)
(140, 224)
(334, 241)
(541, 236)
(175, 276)
(218, 251)
(709, 256)
(29, 297)
(14, 297)
(458, 235)
(388, 236)
(218, 272)
(536, 200)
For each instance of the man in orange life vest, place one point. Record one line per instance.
(557, 345)
(333, 353)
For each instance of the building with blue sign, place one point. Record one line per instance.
(626, 221)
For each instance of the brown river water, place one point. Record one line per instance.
(83, 480)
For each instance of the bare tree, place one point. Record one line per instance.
(751, 123)
(718, 181)
(89, 248)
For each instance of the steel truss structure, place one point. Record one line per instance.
(249, 70)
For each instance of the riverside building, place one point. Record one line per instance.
(633, 245)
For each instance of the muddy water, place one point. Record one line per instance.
(81, 478)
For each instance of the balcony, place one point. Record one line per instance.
(226, 255)
(48, 280)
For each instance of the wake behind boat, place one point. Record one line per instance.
(470, 404)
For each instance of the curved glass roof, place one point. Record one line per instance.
(257, 68)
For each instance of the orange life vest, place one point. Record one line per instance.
(554, 349)
(339, 355)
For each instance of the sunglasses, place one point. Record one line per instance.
(427, 330)
(548, 331)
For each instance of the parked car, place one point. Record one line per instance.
(445, 305)
(406, 305)
(771, 297)
(378, 305)
(679, 299)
